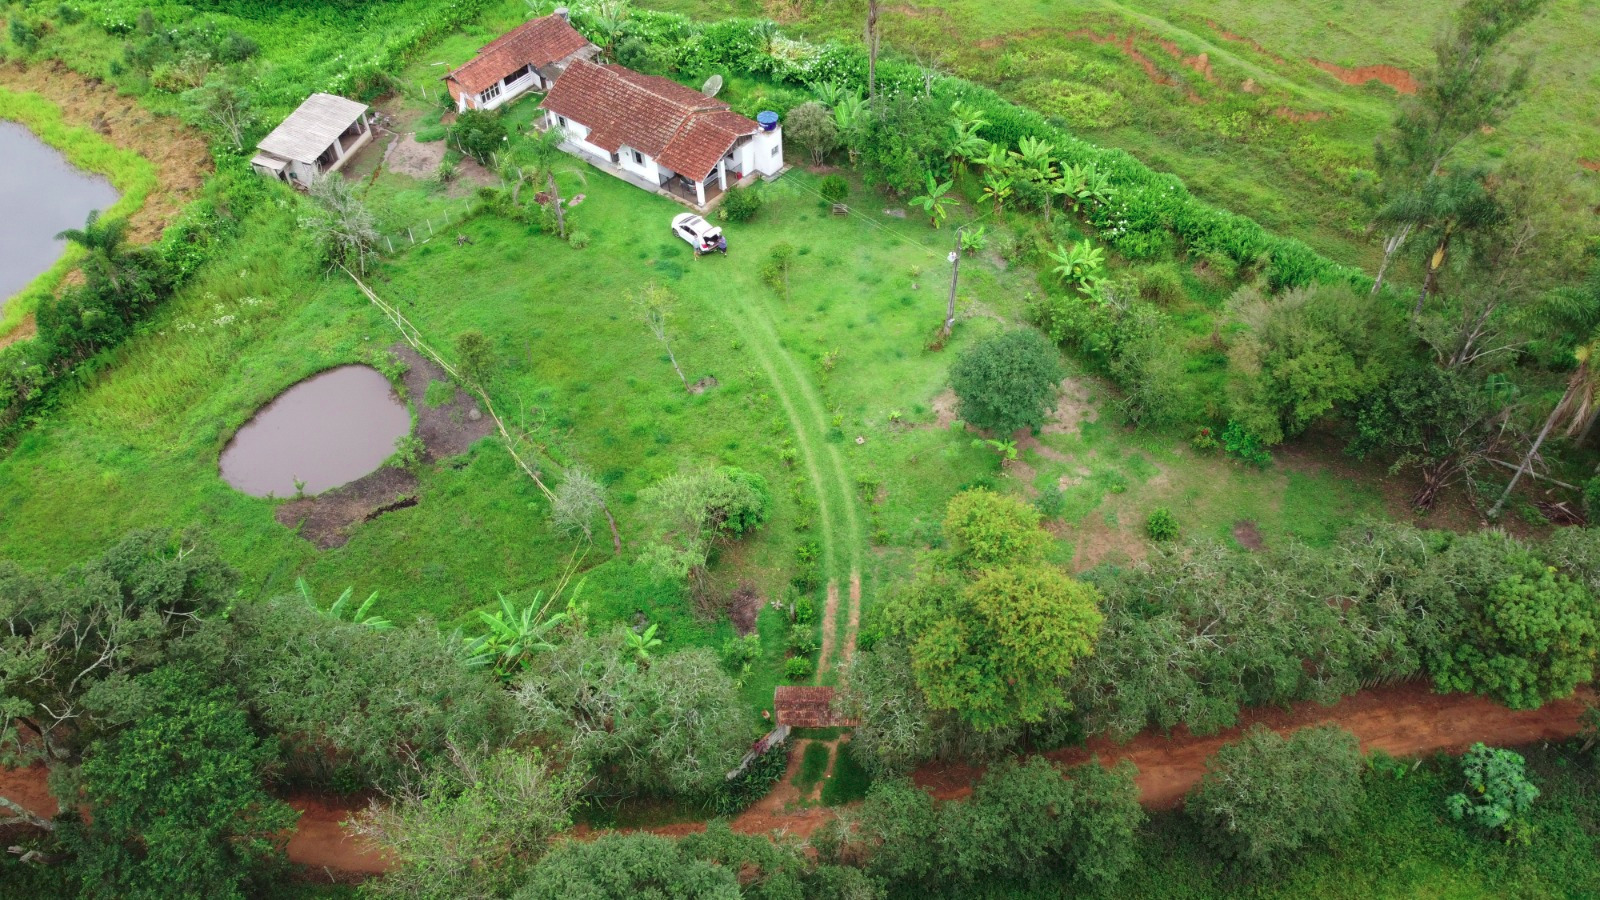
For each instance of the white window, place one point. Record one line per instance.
(776, 150)
(562, 121)
(638, 157)
(490, 94)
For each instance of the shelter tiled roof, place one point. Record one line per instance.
(683, 129)
(536, 43)
(805, 707)
(312, 128)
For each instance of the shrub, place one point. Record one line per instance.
(799, 668)
(738, 652)
(739, 204)
(735, 796)
(1243, 444)
(578, 240)
(802, 640)
(1007, 381)
(834, 188)
(1498, 793)
(987, 530)
(478, 133)
(1264, 797)
(1162, 525)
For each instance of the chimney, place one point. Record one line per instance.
(563, 13)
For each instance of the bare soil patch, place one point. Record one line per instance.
(743, 608)
(1592, 165)
(1075, 406)
(1094, 542)
(944, 408)
(407, 156)
(830, 619)
(446, 430)
(1248, 536)
(853, 623)
(1399, 79)
(1290, 115)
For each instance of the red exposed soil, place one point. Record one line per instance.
(1227, 35)
(319, 840)
(1592, 165)
(1399, 79)
(853, 624)
(1284, 112)
(1402, 720)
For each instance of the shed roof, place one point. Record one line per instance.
(679, 126)
(310, 129)
(536, 43)
(801, 706)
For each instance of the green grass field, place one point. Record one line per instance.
(1262, 131)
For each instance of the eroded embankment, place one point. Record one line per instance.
(178, 153)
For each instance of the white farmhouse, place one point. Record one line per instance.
(529, 57)
(657, 133)
(314, 140)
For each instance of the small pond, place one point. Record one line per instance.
(325, 431)
(40, 196)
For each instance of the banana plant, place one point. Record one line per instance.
(1079, 265)
(996, 188)
(641, 643)
(360, 615)
(934, 202)
(996, 160)
(516, 636)
(1033, 157)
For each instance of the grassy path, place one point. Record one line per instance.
(838, 519)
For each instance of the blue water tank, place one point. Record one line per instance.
(767, 120)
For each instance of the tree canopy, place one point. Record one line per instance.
(1007, 381)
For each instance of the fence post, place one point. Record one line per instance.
(410, 235)
(430, 228)
(390, 243)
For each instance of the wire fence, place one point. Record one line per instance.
(434, 226)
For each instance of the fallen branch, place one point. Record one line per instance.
(1532, 474)
(24, 817)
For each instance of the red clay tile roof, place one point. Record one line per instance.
(537, 43)
(806, 707)
(683, 129)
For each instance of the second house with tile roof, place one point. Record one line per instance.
(659, 134)
(529, 57)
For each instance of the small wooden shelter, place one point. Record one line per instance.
(314, 140)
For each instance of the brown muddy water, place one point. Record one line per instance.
(325, 431)
(41, 195)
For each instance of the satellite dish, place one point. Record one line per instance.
(712, 85)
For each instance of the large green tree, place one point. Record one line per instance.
(1008, 381)
(176, 806)
(672, 729)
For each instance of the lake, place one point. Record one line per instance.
(40, 196)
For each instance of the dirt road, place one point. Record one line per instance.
(1403, 720)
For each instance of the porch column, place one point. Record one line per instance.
(700, 192)
(722, 173)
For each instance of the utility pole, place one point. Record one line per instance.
(955, 275)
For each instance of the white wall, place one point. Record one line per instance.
(767, 151)
(649, 169)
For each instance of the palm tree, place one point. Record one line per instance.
(934, 202)
(103, 239)
(1576, 406)
(997, 189)
(545, 156)
(1079, 265)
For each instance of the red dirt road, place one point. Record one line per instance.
(1402, 720)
